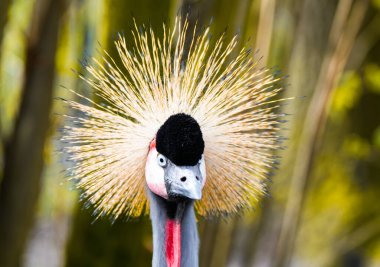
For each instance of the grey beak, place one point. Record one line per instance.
(183, 181)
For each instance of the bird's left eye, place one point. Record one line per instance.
(161, 160)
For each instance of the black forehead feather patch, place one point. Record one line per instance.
(180, 140)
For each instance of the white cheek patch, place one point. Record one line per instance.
(202, 168)
(154, 175)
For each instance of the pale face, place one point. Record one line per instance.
(169, 180)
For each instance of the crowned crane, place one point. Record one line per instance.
(166, 119)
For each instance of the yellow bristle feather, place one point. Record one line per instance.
(232, 100)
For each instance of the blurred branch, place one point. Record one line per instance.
(347, 22)
(265, 29)
(353, 240)
(365, 41)
(4, 10)
(23, 155)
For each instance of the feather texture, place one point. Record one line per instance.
(232, 100)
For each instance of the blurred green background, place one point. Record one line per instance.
(324, 204)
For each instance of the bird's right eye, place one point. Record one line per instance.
(161, 160)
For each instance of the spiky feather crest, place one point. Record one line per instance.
(231, 99)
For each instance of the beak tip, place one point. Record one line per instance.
(193, 195)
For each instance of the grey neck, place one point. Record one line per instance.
(189, 233)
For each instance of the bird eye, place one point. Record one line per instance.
(161, 160)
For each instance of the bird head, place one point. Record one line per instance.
(173, 99)
(175, 166)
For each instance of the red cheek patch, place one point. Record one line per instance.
(152, 144)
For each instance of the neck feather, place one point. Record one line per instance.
(173, 228)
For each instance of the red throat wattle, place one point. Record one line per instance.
(173, 243)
